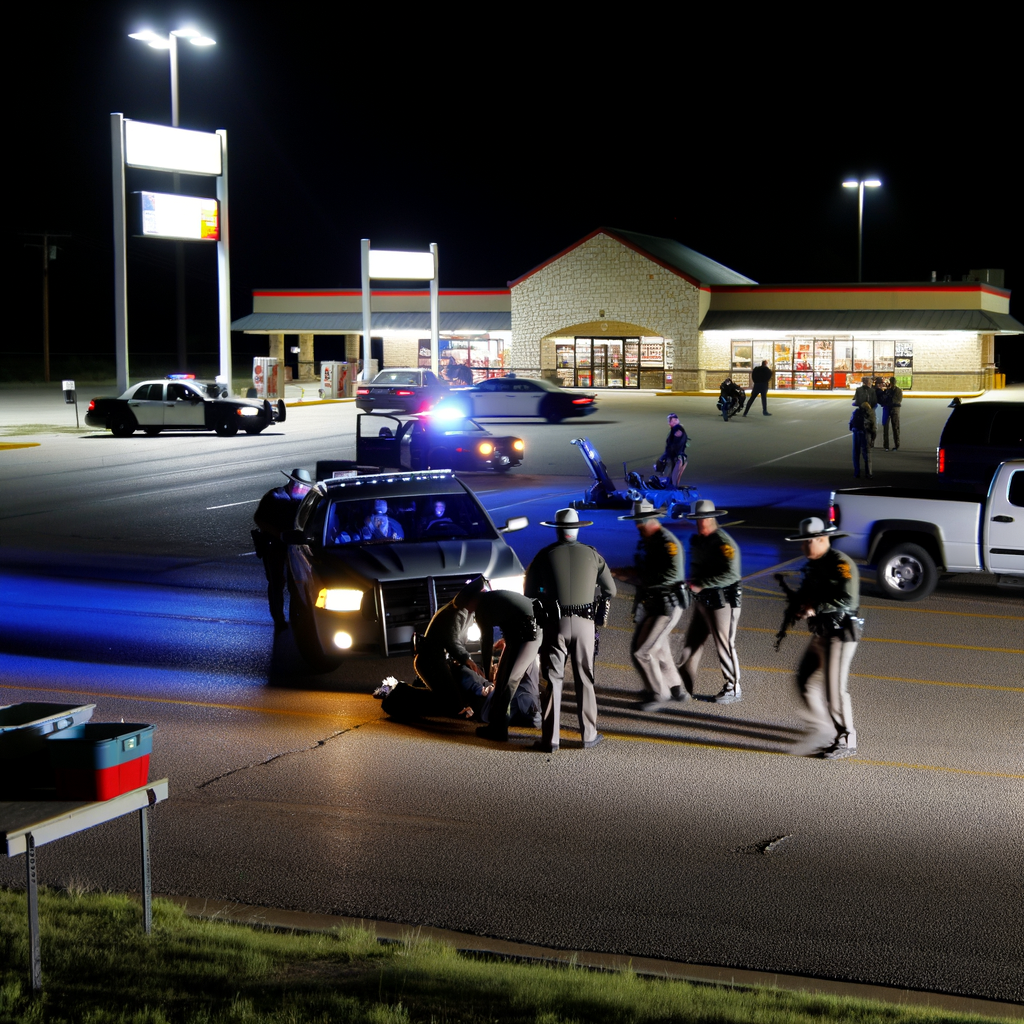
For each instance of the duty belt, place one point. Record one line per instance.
(582, 611)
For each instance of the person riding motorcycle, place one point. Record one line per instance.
(730, 398)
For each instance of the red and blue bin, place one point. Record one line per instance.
(100, 760)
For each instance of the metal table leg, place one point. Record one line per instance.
(33, 914)
(147, 885)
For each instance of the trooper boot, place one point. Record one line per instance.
(728, 695)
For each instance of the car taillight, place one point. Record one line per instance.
(834, 516)
(92, 406)
(582, 401)
(940, 461)
(405, 394)
(362, 391)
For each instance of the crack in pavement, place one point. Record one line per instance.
(274, 757)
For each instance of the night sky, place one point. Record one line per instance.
(506, 134)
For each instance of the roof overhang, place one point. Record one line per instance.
(352, 323)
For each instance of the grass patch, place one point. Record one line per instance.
(99, 968)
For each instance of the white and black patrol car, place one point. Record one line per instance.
(373, 556)
(180, 402)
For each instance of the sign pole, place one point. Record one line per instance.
(224, 266)
(120, 245)
(365, 262)
(434, 314)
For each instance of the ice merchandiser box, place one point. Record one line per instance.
(100, 760)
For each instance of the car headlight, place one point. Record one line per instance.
(339, 600)
(518, 446)
(248, 410)
(508, 583)
(485, 448)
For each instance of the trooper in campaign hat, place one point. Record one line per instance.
(574, 587)
(657, 606)
(714, 581)
(829, 598)
(274, 516)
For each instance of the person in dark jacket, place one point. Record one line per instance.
(274, 517)
(565, 577)
(658, 605)
(673, 459)
(714, 578)
(829, 597)
(862, 423)
(730, 398)
(761, 377)
(892, 403)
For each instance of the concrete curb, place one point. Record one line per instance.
(386, 931)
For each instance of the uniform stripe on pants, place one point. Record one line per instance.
(652, 652)
(574, 639)
(721, 624)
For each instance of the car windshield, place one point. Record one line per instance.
(406, 519)
(393, 377)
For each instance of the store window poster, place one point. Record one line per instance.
(784, 356)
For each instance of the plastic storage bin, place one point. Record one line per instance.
(25, 770)
(100, 760)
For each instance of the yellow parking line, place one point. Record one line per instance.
(911, 643)
(901, 607)
(7, 446)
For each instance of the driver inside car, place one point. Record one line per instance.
(436, 516)
(380, 526)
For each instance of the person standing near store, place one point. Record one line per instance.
(274, 517)
(674, 455)
(658, 605)
(566, 577)
(714, 579)
(761, 378)
(862, 423)
(829, 597)
(892, 403)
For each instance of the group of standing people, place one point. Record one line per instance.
(863, 424)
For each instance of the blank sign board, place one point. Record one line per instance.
(391, 265)
(160, 148)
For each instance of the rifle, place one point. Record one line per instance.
(792, 610)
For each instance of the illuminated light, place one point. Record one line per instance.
(92, 406)
(873, 183)
(203, 41)
(321, 598)
(448, 412)
(486, 448)
(405, 394)
(514, 583)
(942, 460)
(473, 634)
(160, 44)
(247, 410)
(145, 35)
(181, 376)
(159, 148)
(362, 391)
(160, 215)
(519, 446)
(343, 640)
(391, 265)
(850, 184)
(186, 33)
(582, 401)
(341, 600)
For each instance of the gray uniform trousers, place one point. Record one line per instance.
(891, 418)
(652, 652)
(573, 639)
(516, 660)
(721, 624)
(823, 680)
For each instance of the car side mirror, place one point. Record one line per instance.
(514, 524)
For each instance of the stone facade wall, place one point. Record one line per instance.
(947, 353)
(604, 279)
(400, 352)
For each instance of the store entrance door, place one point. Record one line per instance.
(600, 366)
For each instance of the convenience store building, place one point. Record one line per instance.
(618, 309)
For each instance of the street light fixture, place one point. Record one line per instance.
(170, 43)
(860, 186)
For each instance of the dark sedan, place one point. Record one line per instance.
(401, 390)
(520, 397)
(434, 440)
(181, 403)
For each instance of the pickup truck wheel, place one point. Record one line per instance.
(906, 572)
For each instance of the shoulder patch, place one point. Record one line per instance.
(844, 571)
(672, 549)
(729, 551)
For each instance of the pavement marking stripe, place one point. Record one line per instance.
(8, 446)
(911, 643)
(609, 735)
(832, 440)
(232, 504)
(749, 591)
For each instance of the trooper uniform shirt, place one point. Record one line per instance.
(675, 443)
(831, 586)
(714, 566)
(569, 573)
(659, 562)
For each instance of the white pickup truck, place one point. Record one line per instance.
(911, 535)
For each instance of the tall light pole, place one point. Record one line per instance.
(860, 186)
(170, 43)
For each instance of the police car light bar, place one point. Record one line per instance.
(181, 376)
(391, 478)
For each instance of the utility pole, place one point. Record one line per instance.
(49, 253)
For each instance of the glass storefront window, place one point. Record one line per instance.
(742, 353)
(611, 362)
(884, 354)
(863, 357)
(803, 354)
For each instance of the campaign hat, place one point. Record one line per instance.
(568, 519)
(705, 509)
(644, 509)
(300, 476)
(815, 527)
